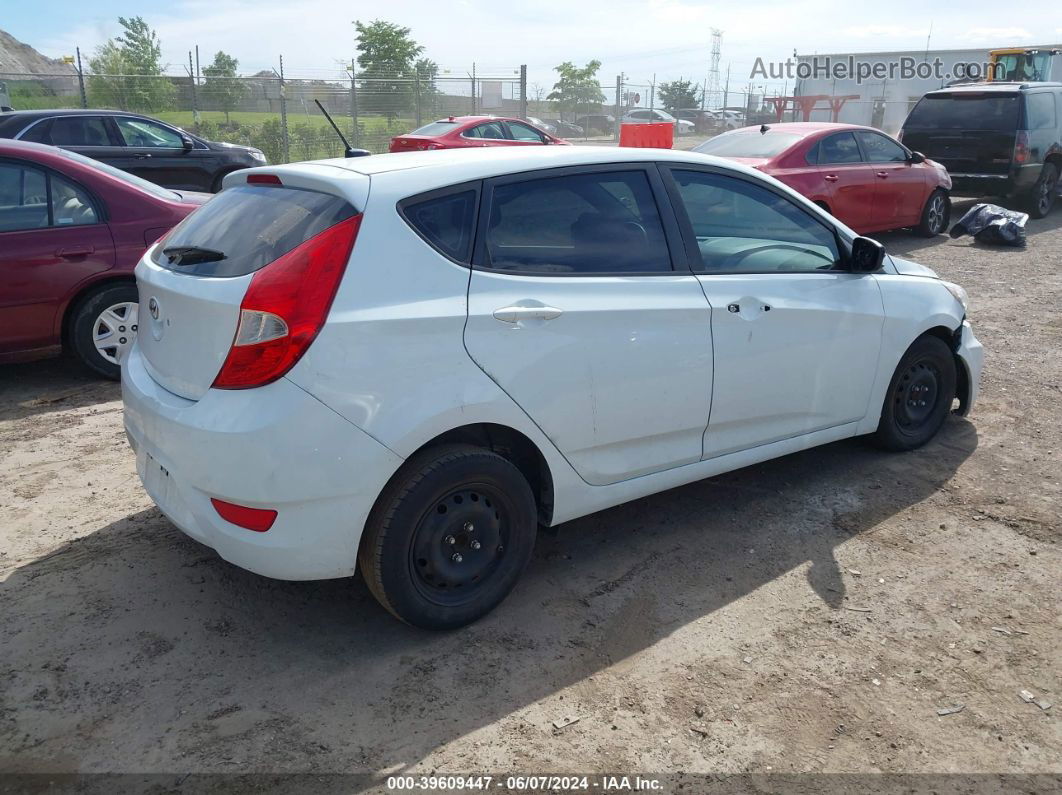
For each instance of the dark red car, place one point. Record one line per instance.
(868, 180)
(458, 132)
(71, 231)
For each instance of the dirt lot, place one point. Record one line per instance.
(808, 614)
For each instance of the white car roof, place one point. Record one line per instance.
(451, 166)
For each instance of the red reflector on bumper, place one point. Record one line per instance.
(257, 519)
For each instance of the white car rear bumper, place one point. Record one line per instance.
(274, 447)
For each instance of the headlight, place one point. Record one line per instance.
(958, 293)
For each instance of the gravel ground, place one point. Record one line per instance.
(810, 614)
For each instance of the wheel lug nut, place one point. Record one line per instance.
(121, 340)
(450, 540)
(456, 557)
(469, 527)
(121, 328)
(133, 328)
(475, 545)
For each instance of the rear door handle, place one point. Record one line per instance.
(514, 314)
(830, 178)
(143, 155)
(883, 174)
(74, 251)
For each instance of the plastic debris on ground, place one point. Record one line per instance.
(992, 224)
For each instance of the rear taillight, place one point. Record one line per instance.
(257, 519)
(1021, 147)
(285, 306)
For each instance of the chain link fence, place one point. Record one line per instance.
(279, 114)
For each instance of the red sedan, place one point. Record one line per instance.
(71, 231)
(866, 179)
(458, 132)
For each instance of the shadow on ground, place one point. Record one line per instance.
(50, 385)
(183, 662)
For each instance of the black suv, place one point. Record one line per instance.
(149, 148)
(995, 139)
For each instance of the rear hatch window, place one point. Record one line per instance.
(744, 144)
(245, 228)
(966, 132)
(965, 112)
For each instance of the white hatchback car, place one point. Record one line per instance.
(406, 363)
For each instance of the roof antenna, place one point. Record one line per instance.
(763, 129)
(347, 150)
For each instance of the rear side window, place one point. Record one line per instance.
(595, 223)
(1040, 111)
(965, 112)
(79, 131)
(445, 222)
(839, 148)
(246, 227)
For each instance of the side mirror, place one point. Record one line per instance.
(917, 157)
(867, 255)
(187, 143)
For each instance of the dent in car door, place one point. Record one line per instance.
(796, 341)
(575, 311)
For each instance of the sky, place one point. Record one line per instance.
(639, 38)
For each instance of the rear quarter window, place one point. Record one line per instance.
(445, 220)
(250, 226)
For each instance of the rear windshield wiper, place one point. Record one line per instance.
(190, 255)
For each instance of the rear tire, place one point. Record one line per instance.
(449, 536)
(103, 328)
(919, 397)
(935, 215)
(1042, 196)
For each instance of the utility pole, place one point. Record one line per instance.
(81, 80)
(195, 105)
(726, 88)
(523, 91)
(652, 93)
(284, 112)
(473, 88)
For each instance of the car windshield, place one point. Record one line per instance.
(961, 111)
(125, 176)
(435, 128)
(748, 144)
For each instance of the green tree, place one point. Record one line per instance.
(387, 56)
(678, 94)
(127, 70)
(576, 88)
(222, 85)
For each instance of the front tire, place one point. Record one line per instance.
(935, 214)
(449, 536)
(103, 328)
(919, 397)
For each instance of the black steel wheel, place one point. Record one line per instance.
(919, 397)
(449, 536)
